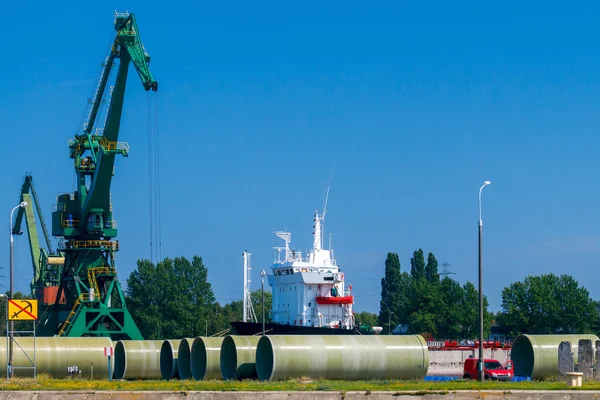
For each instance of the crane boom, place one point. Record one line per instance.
(127, 47)
(39, 255)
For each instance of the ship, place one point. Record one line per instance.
(309, 293)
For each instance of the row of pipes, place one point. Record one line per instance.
(270, 357)
(231, 357)
(275, 357)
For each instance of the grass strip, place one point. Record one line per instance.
(44, 382)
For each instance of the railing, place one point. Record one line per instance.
(94, 244)
(121, 14)
(113, 146)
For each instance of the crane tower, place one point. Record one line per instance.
(77, 287)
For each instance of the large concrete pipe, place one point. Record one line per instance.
(138, 359)
(346, 357)
(238, 357)
(206, 357)
(183, 358)
(168, 359)
(54, 355)
(536, 356)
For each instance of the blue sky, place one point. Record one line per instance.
(413, 104)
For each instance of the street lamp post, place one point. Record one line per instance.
(10, 229)
(6, 310)
(262, 290)
(480, 363)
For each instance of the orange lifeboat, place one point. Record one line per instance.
(335, 300)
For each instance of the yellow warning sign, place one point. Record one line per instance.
(22, 310)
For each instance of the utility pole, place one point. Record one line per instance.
(12, 260)
(480, 363)
(262, 290)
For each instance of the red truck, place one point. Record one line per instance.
(492, 369)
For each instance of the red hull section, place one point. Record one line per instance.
(335, 300)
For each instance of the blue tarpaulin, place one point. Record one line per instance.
(455, 378)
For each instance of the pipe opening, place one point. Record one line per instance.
(228, 358)
(522, 355)
(198, 363)
(168, 363)
(264, 359)
(183, 360)
(120, 360)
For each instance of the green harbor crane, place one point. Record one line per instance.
(77, 287)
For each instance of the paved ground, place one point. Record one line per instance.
(457, 395)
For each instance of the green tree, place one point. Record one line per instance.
(170, 299)
(547, 304)
(417, 265)
(256, 298)
(450, 317)
(427, 307)
(431, 269)
(230, 312)
(390, 291)
(222, 316)
(443, 309)
(366, 318)
(470, 313)
(395, 291)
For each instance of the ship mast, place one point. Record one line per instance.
(317, 240)
(248, 311)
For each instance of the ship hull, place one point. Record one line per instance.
(255, 328)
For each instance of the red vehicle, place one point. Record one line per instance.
(492, 369)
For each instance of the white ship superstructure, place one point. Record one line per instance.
(309, 291)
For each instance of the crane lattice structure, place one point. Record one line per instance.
(77, 288)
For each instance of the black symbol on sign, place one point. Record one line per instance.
(23, 309)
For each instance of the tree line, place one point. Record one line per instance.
(173, 299)
(425, 304)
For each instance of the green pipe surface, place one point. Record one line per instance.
(183, 358)
(168, 359)
(536, 356)
(205, 355)
(138, 359)
(345, 357)
(55, 354)
(238, 357)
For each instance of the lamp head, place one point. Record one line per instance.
(487, 182)
(263, 273)
(23, 204)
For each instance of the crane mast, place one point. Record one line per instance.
(88, 299)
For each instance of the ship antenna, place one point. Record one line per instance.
(325, 205)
